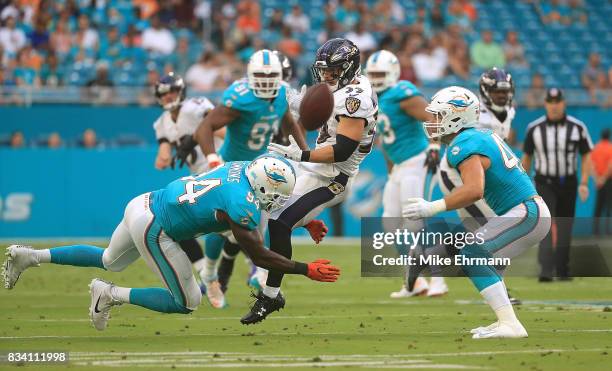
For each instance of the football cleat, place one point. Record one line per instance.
(18, 259)
(503, 330)
(437, 287)
(420, 288)
(101, 302)
(484, 328)
(215, 295)
(262, 307)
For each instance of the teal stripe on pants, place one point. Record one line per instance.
(170, 276)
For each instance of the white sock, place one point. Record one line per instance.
(497, 298)
(43, 256)
(198, 265)
(271, 292)
(208, 272)
(121, 294)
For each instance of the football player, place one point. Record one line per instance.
(251, 110)
(226, 198)
(414, 158)
(328, 170)
(174, 130)
(489, 169)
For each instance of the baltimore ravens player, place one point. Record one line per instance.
(489, 169)
(226, 198)
(174, 130)
(414, 158)
(251, 110)
(328, 170)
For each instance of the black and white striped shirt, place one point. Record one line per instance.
(555, 145)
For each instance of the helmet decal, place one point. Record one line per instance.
(275, 175)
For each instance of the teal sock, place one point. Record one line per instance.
(157, 299)
(78, 255)
(482, 276)
(213, 245)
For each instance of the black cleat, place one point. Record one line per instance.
(262, 307)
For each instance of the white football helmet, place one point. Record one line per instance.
(264, 74)
(454, 108)
(272, 179)
(383, 70)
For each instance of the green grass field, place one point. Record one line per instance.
(351, 323)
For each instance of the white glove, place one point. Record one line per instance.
(418, 208)
(292, 151)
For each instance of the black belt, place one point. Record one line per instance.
(341, 179)
(560, 180)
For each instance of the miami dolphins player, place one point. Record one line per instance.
(226, 198)
(251, 110)
(489, 169)
(414, 158)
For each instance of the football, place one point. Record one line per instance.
(316, 106)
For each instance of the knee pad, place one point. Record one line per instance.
(194, 298)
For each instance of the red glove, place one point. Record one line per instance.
(317, 230)
(320, 270)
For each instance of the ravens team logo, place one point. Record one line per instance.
(352, 104)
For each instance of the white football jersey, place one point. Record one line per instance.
(356, 100)
(189, 118)
(488, 120)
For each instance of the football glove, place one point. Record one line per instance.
(432, 159)
(320, 270)
(418, 208)
(292, 151)
(317, 230)
(185, 148)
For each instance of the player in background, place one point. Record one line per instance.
(488, 169)
(251, 110)
(328, 170)
(415, 160)
(496, 89)
(226, 198)
(174, 130)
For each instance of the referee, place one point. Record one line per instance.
(554, 141)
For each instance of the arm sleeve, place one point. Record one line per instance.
(528, 146)
(586, 145)
(160, 133)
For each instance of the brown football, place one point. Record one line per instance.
(316, 107)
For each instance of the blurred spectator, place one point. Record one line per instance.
(146, 7)
(331, 29)
(10, 10)
(12, 38)
(116, 19)
(28, 63)
(553, 12)
(39, 37)
(406, 69)
(17, 140)
(249, 16)
(514, 51)
(89, 139)
(54, 140)
(455, 14)
(601, 157)
(86, 37)
(100, 88)
(387, 13)
(61, 39)
(158, 39)
(184, 11)
(437, 16)
(393, 40)
(578, 12)
(166, 13)
(459, 61)
(146, 97)
(430, 62)
(468, 8)
(347, 14)
(276, 21)
(182, 57)
(297, 20)
(486, 53)
(288, 45)
(203, 75)
(51, 74)
(534, 97)
(111, 48)
(590, 74)
(601, 93)
(362, 38)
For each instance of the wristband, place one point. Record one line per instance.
(301, 268)
(213, 157)
(305, 156)
(438, 206)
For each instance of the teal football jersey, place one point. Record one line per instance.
(248, 135)
(186, 207)
(402, 135)
(506, 183)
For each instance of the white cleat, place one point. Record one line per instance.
(420, 288)
(215, 295)
(18, 259)
(101, 302)
(437, 287)
(502, 331)
(484, 328)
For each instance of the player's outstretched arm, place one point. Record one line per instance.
(252, 244)
(290, 127)
(219, 117)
